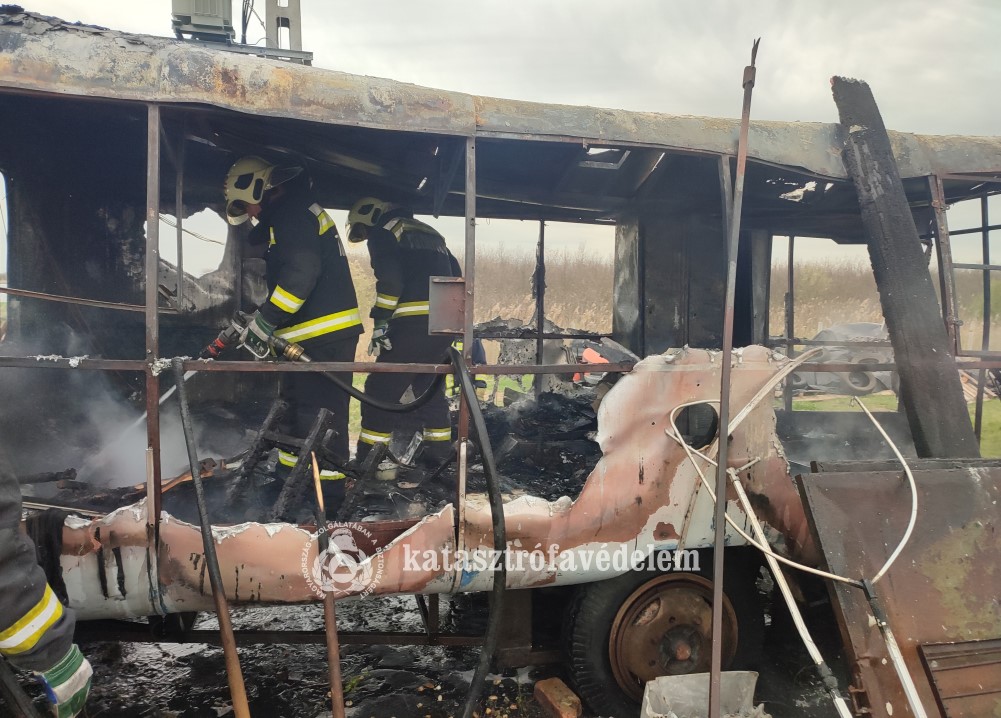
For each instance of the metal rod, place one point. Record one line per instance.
(83, 363)
(179, 211)
(985, 338)
(77, 300)
(116, 630)
(790, 315)
(799, 341)
(540, 301)
(329, 610)
(154, 478)
(467, 333)
(531, 334)
(943, 250)
(234, 674)
(985, 266)
(732, 213)
(893, 648)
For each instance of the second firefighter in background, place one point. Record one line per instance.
(405, 253)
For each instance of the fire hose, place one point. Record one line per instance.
(234, 333)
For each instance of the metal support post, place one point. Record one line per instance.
(153, 477)
(539, 285)
(732, 212)
(790, 311)
(946, 275)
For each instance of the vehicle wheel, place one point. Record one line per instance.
(628, 630)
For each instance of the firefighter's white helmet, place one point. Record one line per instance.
(247, 181)
(366, 212)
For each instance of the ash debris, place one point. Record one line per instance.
(543, 448)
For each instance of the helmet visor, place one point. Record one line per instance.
(236, 212)
(357, 232)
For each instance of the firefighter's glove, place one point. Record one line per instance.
(380, 338)
(258, 336)
(67, 684)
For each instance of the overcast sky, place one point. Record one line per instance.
(933, 66)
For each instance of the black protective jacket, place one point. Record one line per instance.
(36, 630)
(311, 298)
(405, 254)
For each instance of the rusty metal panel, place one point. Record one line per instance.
(942, 589)
(966, 677)
(447, 298)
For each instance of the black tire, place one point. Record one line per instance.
(858, 382)
(587, 633)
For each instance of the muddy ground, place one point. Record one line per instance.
(135, 680)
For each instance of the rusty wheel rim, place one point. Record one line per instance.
(664, 628)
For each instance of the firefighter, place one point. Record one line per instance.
(36, 630)
(404, 254)
(311, 298)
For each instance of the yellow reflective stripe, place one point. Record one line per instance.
(331, 475)
(400, 225)
(286, 301)
(410, 309)
(438, 434)
(272, 241)
(324, 219)
(373, 437)
(287, 459)
(320, 326)
(24, 634)
(385, 301)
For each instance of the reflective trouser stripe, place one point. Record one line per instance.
(24, 634)
(286, 301)
(438, 434)
(320, 326)
(368, 436)
(288, 459)
(412, 309)
(385, 301)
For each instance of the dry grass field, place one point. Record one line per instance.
(579, 293)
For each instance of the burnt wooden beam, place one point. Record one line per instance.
(931, 392)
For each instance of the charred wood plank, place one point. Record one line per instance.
(931, 391)
(48, 477)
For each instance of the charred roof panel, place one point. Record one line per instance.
(47, 55)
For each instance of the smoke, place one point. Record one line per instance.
(93, 421)
(121, 460)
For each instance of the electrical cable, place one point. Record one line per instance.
(764, 548)
(171, 223)
(690, 451)
(830, 682)
(914, 494)
(499, 532)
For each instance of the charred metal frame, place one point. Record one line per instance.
(156, 142)
(941, 233)
(152, 363)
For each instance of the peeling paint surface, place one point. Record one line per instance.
(636, 500)
(943, 589)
